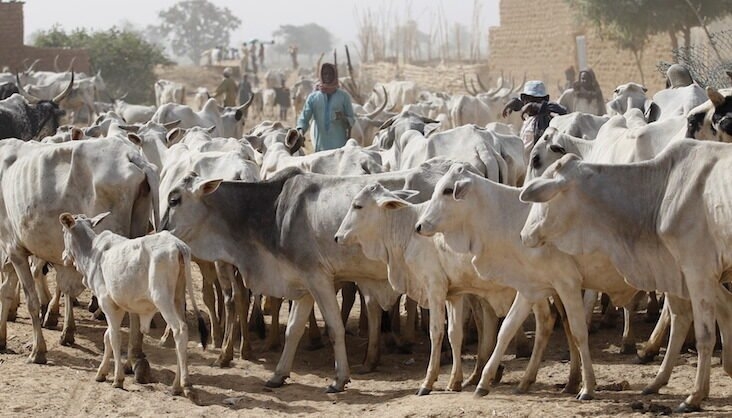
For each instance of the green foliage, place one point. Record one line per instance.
(194, 26)
(311, 39)
(125, 59)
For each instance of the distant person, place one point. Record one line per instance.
(227, 88)
(536, 111)
(282, 99)
(261, 55)
(585, 95)
(245, 91)
(330, 108)
(253, 55)
(293, 56)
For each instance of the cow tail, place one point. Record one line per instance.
(153, 182)
(185, 260)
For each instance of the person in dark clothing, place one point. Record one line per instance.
(536, 111)
(245, 91)
(282, 99)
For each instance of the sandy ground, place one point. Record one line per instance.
(66, 386)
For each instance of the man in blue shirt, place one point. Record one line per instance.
(331, 109)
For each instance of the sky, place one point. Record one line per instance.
(259, 18)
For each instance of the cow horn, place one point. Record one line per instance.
(129, 128)
(472, 85)
(32, 66)
(55, 64)
(480, 83)
(66, 91)
(31, 98)
(465, 84)
(246, 105)
(71, 65)
(383, 105)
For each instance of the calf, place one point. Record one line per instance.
(143, 276)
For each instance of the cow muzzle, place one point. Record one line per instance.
(424, 228)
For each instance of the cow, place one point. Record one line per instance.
(400, 94)
(426, 270)
(632, 95)
(578, 124)
(82, 176)
(665, 233)
(27, 117)
(270, 232)
(679, 101)
(350, 159)
(267, 133)
(140, 276)
(167, 91)
(227, 121)
(483, 218)
(300, 92)
(393, 128)
(201, 97)
(132, 113)
(712, 119)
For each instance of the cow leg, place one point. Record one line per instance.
(104, 365)
(652, 310)
(724, 320)
(52, 313)
(15, 303)
(41, 282)
(575, 373)
(516, 316)
(175, 317)
(134, 350)
(522, 344)
(409, 331)
(69, 329)
(295, 328)
(703, 303)
(241, 303)
(373, 312)
(114, 321)
(544, 327)
(363, 322)
(487, 326)
(256, 318)
(679, 315)
(272, 342)
(208, 272)
(652, 347)
(572, 299)
(455, 314)
(315, 338)
(437, 331)
(328, 305)
(227, 349)
(628, 342)
(7, 299)
(22, 269)
(589, 300)
(348, 296)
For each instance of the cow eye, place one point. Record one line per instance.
(357, 207)
(173, 201)
(448, 191)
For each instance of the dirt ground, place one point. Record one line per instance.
(66, 386)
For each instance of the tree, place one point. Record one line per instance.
(126, 61)
(197, 25)
(311, 39)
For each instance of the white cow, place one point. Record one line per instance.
(167, 91)
(227, 121)
(428, 271)
(484, 218)
(578, 124)
(632, 95)
(661, 230)
(132, 113)
(142, 276)
(679, 101)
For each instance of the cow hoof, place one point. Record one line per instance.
(480, 392)
(142, 371)
(628, 349)
(366, 369)
(455, 387)
(101, 379)
(585, 397)
(423, 391)
(67, 339)
(523, 387)
(99, 315)
(51, 321)
(332, 388)
(246, 354)
(275, 382)
(499, 375)
(645, 357)
(176, 391)
(649, 390)
(686, 408)
(37, 358)
(222, 363)
(314, 345)
(571, 388)
(118, 384)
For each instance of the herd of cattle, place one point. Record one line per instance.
(433, 198)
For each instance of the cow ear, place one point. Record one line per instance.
(135, 139)
(716, 97)
(541, 190)
(174, 136)
(76, 134)
(645, 89)
(652, 111)
(405, 194)
(67, 220)
(556, 148)
(460, 189)
(93, 131)
(99, 218)
(390, 201)
(207, 187)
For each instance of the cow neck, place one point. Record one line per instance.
(85, 257)
(399, 229)
(501, 209)
(35, 112)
